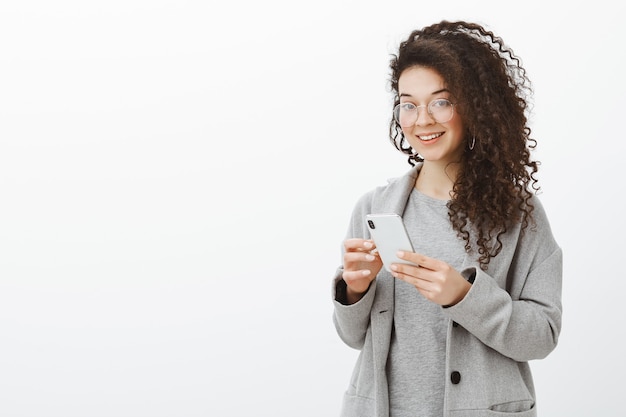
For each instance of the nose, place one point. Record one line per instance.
(423, 117)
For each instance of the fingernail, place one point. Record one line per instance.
(394, 267)
(366, 272)
(368, 244)
(400, 254)
(369, 257)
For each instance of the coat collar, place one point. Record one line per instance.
(394, 197)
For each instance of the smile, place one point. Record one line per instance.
(430, 137)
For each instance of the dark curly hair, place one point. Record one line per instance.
(490, 87)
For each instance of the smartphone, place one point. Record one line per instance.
(390, 236)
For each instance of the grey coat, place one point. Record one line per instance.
(511, 315)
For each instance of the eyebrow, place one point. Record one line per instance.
(443, 90)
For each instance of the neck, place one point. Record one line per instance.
(436, 180)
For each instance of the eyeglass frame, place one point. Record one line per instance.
(428, 111)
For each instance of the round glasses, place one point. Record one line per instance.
(440, 110)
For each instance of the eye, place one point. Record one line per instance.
(407, 106)
(440, 104)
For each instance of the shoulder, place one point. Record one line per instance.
(388, 198)
(539, 215)
(537, 236)
(383, 197)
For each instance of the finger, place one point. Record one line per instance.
(350, 276)
(411, 273)
(355, 257)
(416, 278)
(419, 259)
(405, 272)
(356, 244)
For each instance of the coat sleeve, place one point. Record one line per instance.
(352, 321)
(518, 313)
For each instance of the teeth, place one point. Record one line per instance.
(430, 137)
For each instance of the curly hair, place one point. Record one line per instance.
(491, 90)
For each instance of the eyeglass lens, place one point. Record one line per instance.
(440, 110)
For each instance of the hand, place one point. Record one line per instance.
(434, 279)
(360, 267)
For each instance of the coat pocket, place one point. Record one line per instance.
(531, 412)
(355, 406)
(514, 406)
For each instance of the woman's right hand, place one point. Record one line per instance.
(361, 264)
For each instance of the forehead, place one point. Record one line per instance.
(420, 81)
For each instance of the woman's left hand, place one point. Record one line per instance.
(435, 279)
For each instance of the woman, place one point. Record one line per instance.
(451, 332)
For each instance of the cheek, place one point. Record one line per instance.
(457, 124)
(408, 134)
(410, 138)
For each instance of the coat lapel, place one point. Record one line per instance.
(391, 199)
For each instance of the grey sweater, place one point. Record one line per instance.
(511, 315)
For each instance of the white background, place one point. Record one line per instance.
(176, 178)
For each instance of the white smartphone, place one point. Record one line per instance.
(390, 236)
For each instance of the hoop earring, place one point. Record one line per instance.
(471, 146)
